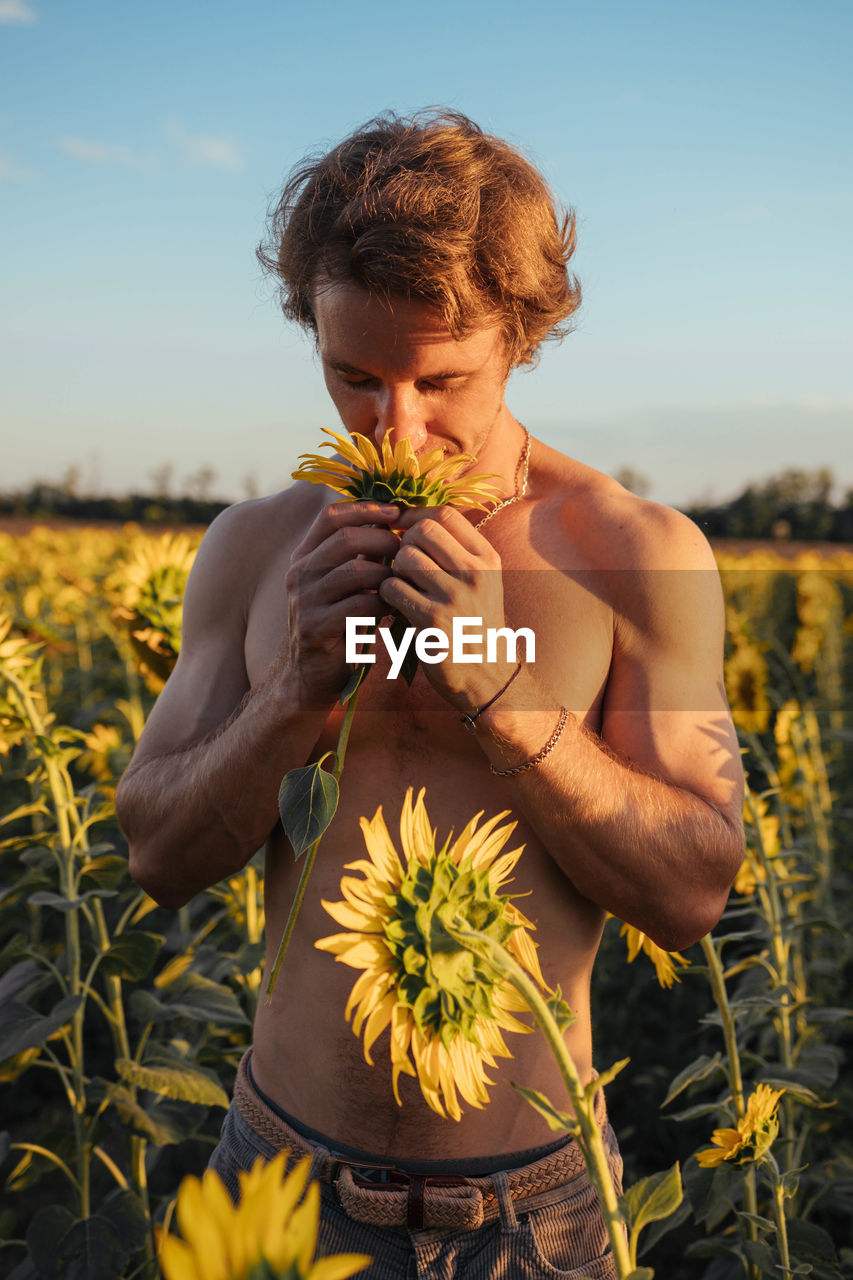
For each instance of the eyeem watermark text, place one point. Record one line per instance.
(465, 644)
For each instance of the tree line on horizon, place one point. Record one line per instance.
(794, 505)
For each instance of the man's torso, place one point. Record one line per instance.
(307, 1058)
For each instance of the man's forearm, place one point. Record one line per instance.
(650, 852)
(197, 815)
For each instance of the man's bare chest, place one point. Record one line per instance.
(567, 613)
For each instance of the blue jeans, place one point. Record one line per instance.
(562, 1236)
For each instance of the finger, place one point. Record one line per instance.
(448, 518)
(313, 584)
(351, 580)
(344, 514)
(440, 545)
(418, 568)
(406, 599)
(329, 623)
(350, 543)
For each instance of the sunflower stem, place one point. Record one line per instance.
(735, 1078)
(589, 1137)
(308, 858)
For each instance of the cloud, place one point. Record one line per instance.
(216, 151)
(102, 153)
(16, 11)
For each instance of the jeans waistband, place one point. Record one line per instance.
(411, 1199)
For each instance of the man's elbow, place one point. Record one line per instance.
(694, 915)
(158, 884)
(145, 864)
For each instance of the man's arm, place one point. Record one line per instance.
(200, 795)
(645, 820)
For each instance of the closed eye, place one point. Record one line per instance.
(427, 387)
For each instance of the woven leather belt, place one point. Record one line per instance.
(410, 1199)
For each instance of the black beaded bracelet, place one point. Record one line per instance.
(470, 721)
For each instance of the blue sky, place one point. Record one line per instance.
(706, 148)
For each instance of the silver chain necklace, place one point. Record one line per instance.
(522, 465)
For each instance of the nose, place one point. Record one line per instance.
(400, 414)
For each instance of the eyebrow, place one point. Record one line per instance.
(344, 367)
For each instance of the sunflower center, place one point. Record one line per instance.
(447, 987)
(397, 486)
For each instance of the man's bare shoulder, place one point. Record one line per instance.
(248, 534)
(608, 527)
(238, 549)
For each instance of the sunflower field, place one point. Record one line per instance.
(122, 1024)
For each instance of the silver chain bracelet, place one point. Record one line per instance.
(540, 756)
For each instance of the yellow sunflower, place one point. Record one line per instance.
(147, 588)
(757, 1129)
(395, 474)
(664, 961)
(762, 828)
(444, 1006)
(268, 1234)
(746, 687)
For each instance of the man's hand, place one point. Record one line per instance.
(445, 569)
(334, 573)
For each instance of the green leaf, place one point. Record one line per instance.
(810, 1243)
(307, 800)
(764, 1224)
(713, 1193)
(22, 981)
(202, 1000)
(794, 1090)
(125, 1214)
(829, 1014)
(91, 1250)
(559, 1121)
(22, 1028)
(702, 1109)
(147, 1007)
(606, 1076)
(164, 1123)
(132, 955)
(189, 996)
(108, 871)
(817, 1066)
(560, 1011)
(762, 1255)
(48, 1226)
(650, 1200)
(45, 898)
(353, 683)
(699, 1069)
(657, 1230)
(24, 811)
(186, 1084)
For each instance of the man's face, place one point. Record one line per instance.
(395, 370)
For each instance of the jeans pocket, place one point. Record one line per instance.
(569, 1238)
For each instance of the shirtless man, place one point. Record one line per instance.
(428, 261)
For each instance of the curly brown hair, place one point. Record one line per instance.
(429, 207)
